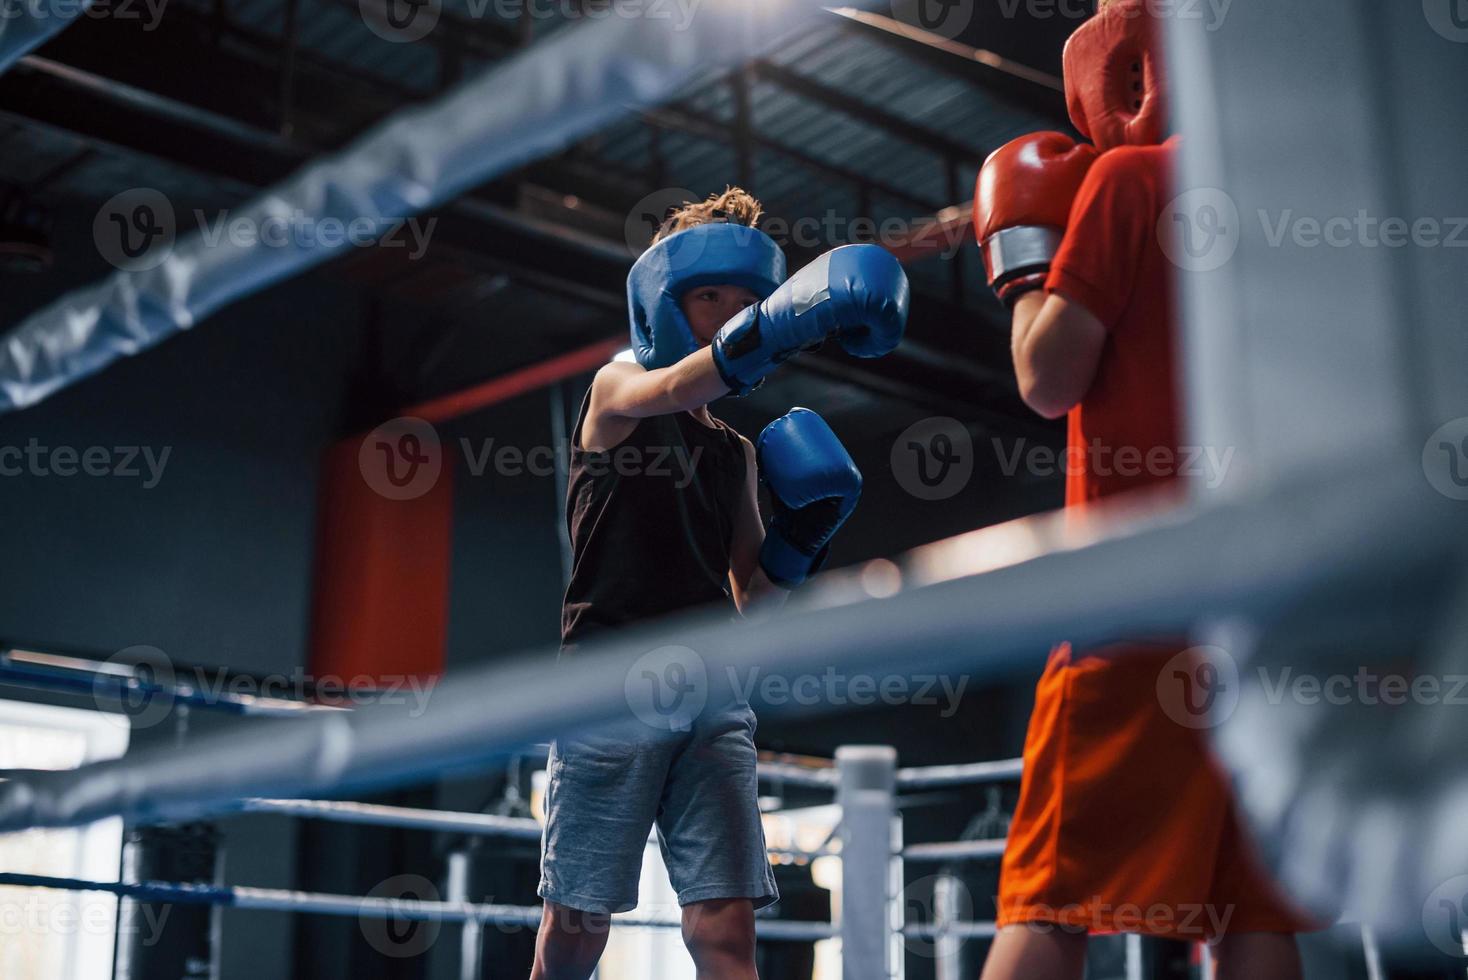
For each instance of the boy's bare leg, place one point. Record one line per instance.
(1036, 952)
(1258, 956)
(719, 934)
(569, 943)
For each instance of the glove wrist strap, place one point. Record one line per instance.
(738, 353)
(784, 564)
(1019, 255)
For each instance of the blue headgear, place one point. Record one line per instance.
(713, 254)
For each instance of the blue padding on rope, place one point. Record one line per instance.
(146, 891)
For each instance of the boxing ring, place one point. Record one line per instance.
(864, 781)
(947, 618)
(1326, 519)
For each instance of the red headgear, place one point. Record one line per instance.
(1114, 81)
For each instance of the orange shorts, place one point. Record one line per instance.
(1125, 822)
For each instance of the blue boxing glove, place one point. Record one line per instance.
(814, 487)
(857, 292)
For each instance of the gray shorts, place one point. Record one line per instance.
(606, 791)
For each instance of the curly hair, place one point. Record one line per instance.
(736, 206)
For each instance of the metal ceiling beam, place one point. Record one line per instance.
(102, 110)
(679, 120)
(329, 106)
(865, 112)
(475, 35)
(1037, 91)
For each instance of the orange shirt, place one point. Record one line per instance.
(1124, 434)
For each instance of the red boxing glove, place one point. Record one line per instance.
(1021, 206)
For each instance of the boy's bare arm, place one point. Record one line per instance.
(752, 589)
(623, 392)
(1057, 347)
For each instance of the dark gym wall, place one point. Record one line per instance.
(210, 564)
(506, 581)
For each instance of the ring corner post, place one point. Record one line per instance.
(867, 780)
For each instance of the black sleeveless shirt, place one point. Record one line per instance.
(652, 523)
